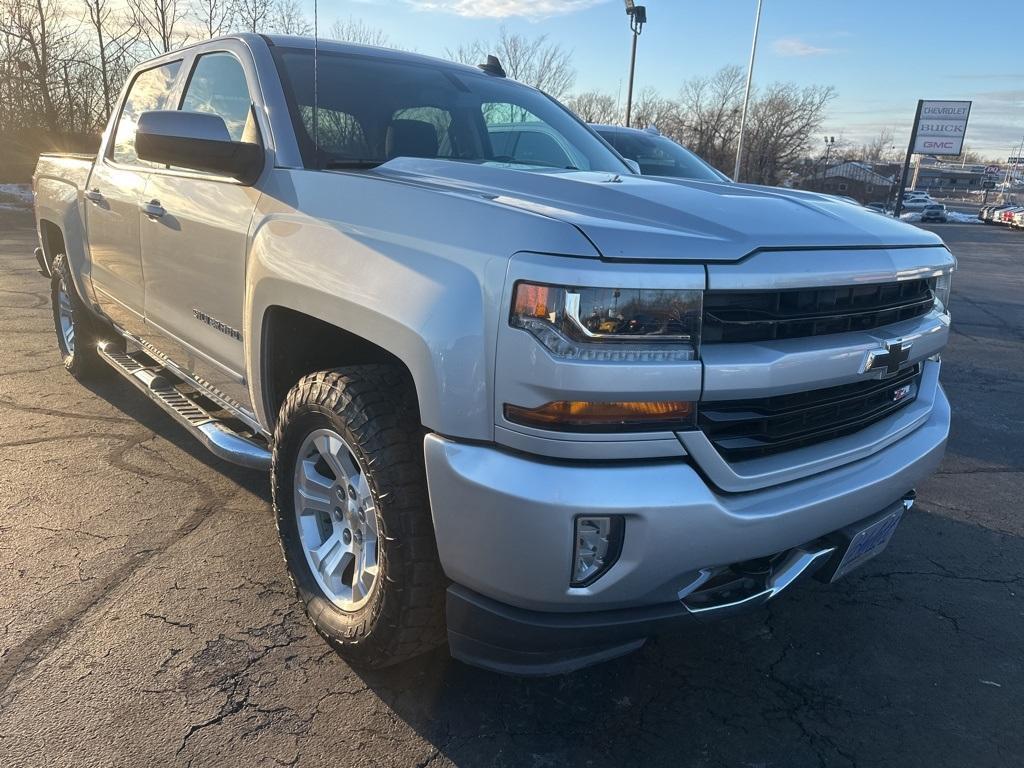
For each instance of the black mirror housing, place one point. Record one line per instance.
(198, 141)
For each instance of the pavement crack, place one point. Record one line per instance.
(62, 414)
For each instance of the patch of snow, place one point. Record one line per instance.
(15, 196)
(953, 217)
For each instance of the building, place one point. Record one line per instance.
(852, 179)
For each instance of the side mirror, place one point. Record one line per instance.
(633, 165)
(198, 141)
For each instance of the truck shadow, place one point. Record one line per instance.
(137, 407)
(856, 672)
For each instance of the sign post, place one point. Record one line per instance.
(939, 129)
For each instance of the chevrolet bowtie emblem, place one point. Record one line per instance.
(895, 355)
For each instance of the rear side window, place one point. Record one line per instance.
(148, 92)
(218, 87)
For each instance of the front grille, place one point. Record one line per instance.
(736, 316)
(748, 429)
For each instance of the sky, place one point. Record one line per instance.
(881, 57)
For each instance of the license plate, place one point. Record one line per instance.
(868, 542)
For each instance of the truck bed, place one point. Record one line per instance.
(61, 168)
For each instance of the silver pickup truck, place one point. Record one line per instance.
(511, 394)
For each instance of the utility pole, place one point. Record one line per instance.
(637, 18)
(1012, 172)
(746, 95)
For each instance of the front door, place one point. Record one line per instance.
(195, 228)
(112, 197)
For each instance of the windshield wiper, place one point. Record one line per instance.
(340, 163)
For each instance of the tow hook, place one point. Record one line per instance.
(909, 499)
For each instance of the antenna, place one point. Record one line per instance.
(316, 87)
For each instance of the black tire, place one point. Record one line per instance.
(80, 357)
(373, 408)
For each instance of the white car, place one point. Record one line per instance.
(917, 201)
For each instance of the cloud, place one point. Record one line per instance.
(794, 46)
(503, 9)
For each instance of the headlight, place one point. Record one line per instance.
(610, 324)
(941, 287)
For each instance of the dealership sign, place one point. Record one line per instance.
(941, 127)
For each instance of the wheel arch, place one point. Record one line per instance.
(294, 344)
(61, 230)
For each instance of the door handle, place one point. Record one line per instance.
(153, 209)
(94, 196)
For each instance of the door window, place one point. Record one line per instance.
(218, 87)
(148, 92)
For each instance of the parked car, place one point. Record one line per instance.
(1018, 220)
(1005, 216)
(531, 144)
(917, 201)
(993, 214)
(934, 212)
(535, 412)
(658, 155)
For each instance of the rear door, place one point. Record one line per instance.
(194, 239)
(113, 194)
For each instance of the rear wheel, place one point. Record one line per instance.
(76, 328)
(352, 510)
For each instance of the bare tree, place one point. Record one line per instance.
(212, 16)
(595, 107)
(352, 30)
(288, 18)
(160, 23)
(710, 115)
(115, 37)
(534, 61)
(41, 41)
(880, 149)
(650, 109)
(782, 122)
(253, 15)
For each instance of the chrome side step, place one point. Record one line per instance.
(154, 381)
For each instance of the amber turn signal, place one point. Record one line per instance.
(583, 416)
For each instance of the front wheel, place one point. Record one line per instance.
(350, 497)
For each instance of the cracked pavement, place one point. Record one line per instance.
(147, 619)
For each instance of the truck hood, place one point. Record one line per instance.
(637, 217)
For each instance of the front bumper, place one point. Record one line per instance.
(504, 525)
(495, 636)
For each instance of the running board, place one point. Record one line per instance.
(153, 380)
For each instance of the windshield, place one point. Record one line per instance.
(659, 156)
(372, 109)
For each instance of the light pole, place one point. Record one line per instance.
(637, 19)
(746, 95)
(829, 143)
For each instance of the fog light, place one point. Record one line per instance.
(598, 542)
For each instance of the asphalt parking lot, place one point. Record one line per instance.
(147, 620)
